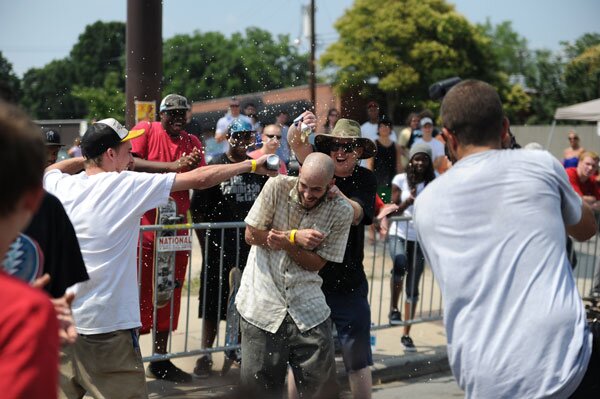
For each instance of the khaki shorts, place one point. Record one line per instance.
(310, 354)
(103, 366)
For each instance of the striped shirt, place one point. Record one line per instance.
(272, 283)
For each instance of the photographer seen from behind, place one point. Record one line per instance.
(515, 322)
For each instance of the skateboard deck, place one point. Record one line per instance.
(163, 276)
(232, 327)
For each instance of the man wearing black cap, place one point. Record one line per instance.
(166, 147)
(53, 145)
(105, 204)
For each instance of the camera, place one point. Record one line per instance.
(438, 90)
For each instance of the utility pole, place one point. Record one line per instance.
(311, 64)
(143, 45)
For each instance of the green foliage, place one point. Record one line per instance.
(107, 101)
(99, 51)
(407, 45)
(586, 41)
(209, 65)
(582, 76)
(512, 56)
(10, 85)
(47, 92)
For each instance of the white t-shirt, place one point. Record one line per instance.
(492, 229)
(437, 148)
(369, 130)
(405, 229)
(105, 210)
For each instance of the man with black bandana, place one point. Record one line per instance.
(345, 283)
(229, 201)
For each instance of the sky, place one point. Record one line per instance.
(35, 32)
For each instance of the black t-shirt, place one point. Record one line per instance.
(385, 164)
(229, 201)
(347, 276)
(54, 233)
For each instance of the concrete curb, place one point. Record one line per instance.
(396, 368)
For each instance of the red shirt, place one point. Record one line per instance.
(28, 341)
(157, 145)
(589, 187)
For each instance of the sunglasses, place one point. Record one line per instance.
(573, 138)
(176, 112)
(242, 135)
(234, 105)
(346, 147)
(272, 136)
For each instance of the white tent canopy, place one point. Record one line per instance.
(587, 111)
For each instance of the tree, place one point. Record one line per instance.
(47, 92)
(582, 75)
(10, 85)
(107, 101)
(99, 51)
(405, 46)
(510, 49)
(209, 65)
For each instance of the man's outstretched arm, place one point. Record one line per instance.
(586, 227)
(211, 175)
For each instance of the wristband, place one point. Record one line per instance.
(253, 167)
(293, 236)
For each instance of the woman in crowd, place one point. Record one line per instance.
(406, 253)
(332, 117)
(573, 151)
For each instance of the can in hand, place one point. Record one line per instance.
(272, 162)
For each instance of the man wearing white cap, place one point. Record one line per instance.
(105, 203)
(437, 148)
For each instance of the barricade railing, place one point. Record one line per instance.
(378, 265)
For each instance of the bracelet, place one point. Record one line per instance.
(253, 167)
(293, 236)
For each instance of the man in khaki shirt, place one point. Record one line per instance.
(294, 229)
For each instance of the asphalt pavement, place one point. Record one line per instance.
(390, 364)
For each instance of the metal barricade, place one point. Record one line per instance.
(378, 265)
(190, 342)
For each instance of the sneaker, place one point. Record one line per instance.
(395, 317)
(408, 344)
(203, 366)
(165, 370)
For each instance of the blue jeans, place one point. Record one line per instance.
(408, 260)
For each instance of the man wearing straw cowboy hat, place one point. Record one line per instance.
(105, 203)
(345, 283)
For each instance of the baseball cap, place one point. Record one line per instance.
(52, 138)
(372, 104)
(425, 121)
(239, 125)
(172, 102)
(105, 134)
(420, 148)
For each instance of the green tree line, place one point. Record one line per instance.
(388, 49)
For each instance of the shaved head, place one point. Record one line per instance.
(315, 179)
(319, 164)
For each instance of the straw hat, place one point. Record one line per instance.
(346, 129)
